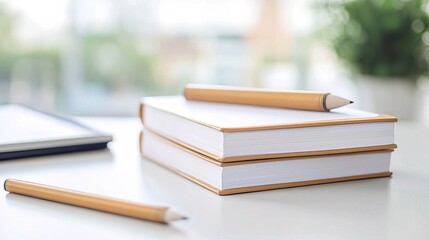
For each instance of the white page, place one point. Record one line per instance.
(233, 115)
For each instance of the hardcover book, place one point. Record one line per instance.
(230, 132)
(257, 175)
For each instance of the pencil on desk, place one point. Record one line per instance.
(80, 199)
(302, 100)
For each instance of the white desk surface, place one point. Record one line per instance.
(386, 208)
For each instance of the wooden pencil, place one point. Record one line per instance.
(301, 100)
(92, 201)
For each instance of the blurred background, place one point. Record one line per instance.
(100, 57)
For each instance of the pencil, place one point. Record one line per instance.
(91, 201)
(302, 100)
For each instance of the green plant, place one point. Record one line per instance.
(112, 59)
(385, 38)
(7, 56)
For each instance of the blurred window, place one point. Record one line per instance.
(99, 57)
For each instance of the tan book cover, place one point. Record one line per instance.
(254, 118)
(261, 187)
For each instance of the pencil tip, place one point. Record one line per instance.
(172, 216)
(351, 102)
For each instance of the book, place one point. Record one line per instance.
(26, 132)
(230, 132)
(257, 175)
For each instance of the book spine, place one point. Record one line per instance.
(141, 112)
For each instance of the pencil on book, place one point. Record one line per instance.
(302, 100)
(91, 201)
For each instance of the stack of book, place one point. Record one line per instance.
(230, 148)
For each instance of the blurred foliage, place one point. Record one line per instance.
(385, 38)
(12, 51)
(7, 57)
(110, 59)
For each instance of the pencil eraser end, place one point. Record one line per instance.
(4, 184)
